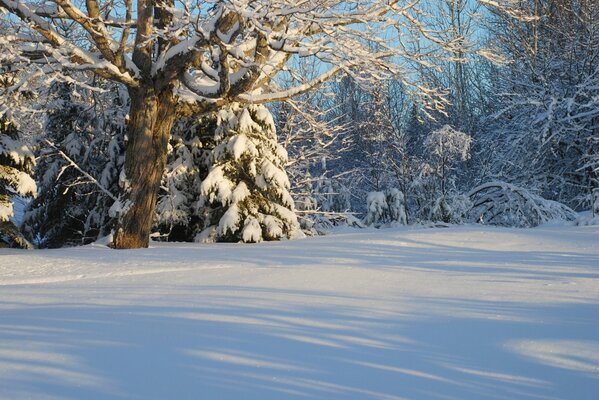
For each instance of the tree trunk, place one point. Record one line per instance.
(152, 115)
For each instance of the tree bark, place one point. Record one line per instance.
(152, 115)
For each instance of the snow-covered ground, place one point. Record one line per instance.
(457, 313)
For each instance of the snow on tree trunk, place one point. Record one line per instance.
(246, 193)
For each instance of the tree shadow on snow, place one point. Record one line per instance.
(231, 344)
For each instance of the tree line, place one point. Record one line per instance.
(260, 120)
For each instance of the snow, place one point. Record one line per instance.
(14, 150)
(240, 193)
(230, 220)
(272, 176)
(252, 232)
(376, 206)
(216, 186)
(6, 211)
(238, 145)
(458, 313)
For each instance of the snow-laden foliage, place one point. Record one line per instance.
(396, 204)
(245, 195)
(453, 209)
(16, 165)
(545, 130)
(385, 208)
(434, 189)
(376, 204)
(447, 145)
(177, 216)
(501, 203)
(80, 159)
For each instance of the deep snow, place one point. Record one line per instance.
(457, 313)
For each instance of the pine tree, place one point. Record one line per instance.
(177, 216)
(16, 164)
(245, 196)
(81, 156)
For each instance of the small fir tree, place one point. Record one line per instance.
(245, 196)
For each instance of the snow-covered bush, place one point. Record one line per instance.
(16, 164)
(377, 208)
(501, 203)
(453, 208)
(440, 210)
(385, 207)
(397, 206)
(245, 196)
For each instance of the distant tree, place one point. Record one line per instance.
(545, 130)
(436, 180)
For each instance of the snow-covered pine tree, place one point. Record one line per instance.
(386, 207)
(376, 208)
(82, 136)
(397, 206)
(245, 196)
(16, 164)
(56, 217)
(190, 147)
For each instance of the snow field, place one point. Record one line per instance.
(457, 313)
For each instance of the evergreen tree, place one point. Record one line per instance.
(16, 164)
(245, 196)
(81, 156)
(177, 216)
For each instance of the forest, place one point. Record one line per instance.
(260, 120)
